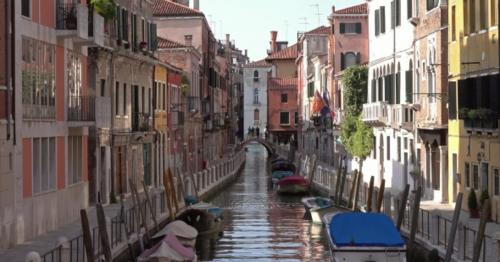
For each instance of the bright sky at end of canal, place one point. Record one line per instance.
(250, 21)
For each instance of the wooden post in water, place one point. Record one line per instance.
(353, 187)
(414, 222)
(87, 236)
(370, 195)
(402, 207)
(480, 232)
(174, 190)
(454, 226)
(380, 197)
(142, 212)
(356, 190)
(341, 192)
(103, 233)
(148, 202)
(313, 168)
(339, 178)
(127, 231)
(168, 192)
(180, 178)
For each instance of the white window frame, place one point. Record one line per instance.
(37, 188)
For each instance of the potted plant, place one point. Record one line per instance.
(482, 200)
(463, 113)
(472, 204)
(106, 8)
(185, 85)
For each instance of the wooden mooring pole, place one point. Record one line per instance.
(103, 233)
(480, 232)
(353, 187)
(414, 223)
(87, 236)
(148, 202)
(342, 182)
(370, 195)
(380, 197)
(402, 207)
(454, 226)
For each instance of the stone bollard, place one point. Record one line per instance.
(63, 243)
(33, 257)
(434, 227)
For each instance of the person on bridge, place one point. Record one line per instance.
(257, 132)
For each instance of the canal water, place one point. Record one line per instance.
(261, 225)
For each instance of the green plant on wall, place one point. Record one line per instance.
(106, 8)
(185, 84)
(354, 81)
(357, 138)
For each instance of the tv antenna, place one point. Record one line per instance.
(286, 29)
(305, 23)
(318, 13)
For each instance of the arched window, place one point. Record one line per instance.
(256, 96)
(256, 115)
(256, 76)
(349, 59)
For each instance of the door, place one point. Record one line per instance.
(103, 192)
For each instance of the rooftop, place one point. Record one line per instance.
(282, 82)
(168, 8)
(166, 44)
(322, 30)
(352, 10)
(260, 63)
(287, 53)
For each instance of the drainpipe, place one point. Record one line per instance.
(9, 7)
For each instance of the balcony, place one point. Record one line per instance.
(486, 125)
(81, 109)
(375, 114)
(401, 116)
(175, 119)
(193, 104)
(72, 21)
(141, 122)
(103, 112)
(39, 112)
(96, 33)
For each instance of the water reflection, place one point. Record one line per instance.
(260, 224)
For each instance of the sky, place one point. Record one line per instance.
(249, 22)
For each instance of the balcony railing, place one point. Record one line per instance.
(481, 124)
(39, 112)
(375, 113)
(72, 18)
(81, 108)
(401, 116)
(141, 122)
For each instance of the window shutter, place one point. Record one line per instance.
(358, 28)
(358, 58)
(409, 86)
(382, 19)
(452, 101)
(388, 88)
(393, 14)
(398, 12)
(377, 22)
(380, 89)
(154, 38)
(342, 28)
(398, 88)
(409, 6)
(342, 61)
(374, 90)
(118, 22)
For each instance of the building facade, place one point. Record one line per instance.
(255, 77)
(474, 145)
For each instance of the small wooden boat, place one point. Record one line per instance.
(279, 159)
(293, 185)
(205, 218)
(278, 175)
(356, 236)
(317, 207)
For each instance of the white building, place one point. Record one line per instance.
(388, 110)
(255, 96)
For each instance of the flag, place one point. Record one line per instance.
(317, 104)
(325, 111)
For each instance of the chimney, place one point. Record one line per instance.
(274, 36)
(333, 9)
(196, 4)
(188, 40)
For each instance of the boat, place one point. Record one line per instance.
(175, 242)
(278, 175)
(283, 166)
(293, 185)
(357, 236)
(205, 218)
(279, 159)
(317, 207)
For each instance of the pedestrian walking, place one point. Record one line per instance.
(257, 131)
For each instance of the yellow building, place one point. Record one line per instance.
(474, 100)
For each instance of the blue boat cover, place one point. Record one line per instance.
(356, 229)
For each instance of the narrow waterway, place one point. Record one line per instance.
(261, 225)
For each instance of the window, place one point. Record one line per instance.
(44, 164)
(409, 84)
(475, 176)
(133, 19)
(117, 98)
(409, 8)
(494, 12)
(256, 76)
(405, 143)
(388, 148)
(349, 59)
(431, 4)
(296, 118)
(467, 174)
(496, 188)
(399, 149)
(382, 19)
(472, 16)
(453, 23)
(74, 80)
(377, 22)
(350, 28)
(74, 159)
(124, 25)
(310, 89)
(256, 96)
(102, 87)
(483, 14)
(26, 8)
(284, 98)
(124, 99)
(395, 13)
(256, 115)
(38, 79)
(284, 118)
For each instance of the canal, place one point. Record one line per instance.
(261, 225)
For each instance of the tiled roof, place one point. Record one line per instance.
(282, 82)
(166, 43)
(355, 9)
(168, 8)
(287, 53)
(260, 63)
(322, 30)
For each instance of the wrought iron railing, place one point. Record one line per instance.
(67, 16)
(81, 108)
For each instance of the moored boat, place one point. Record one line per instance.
(205, 218)
(283, 166)
(278, 175)
(293, 185)
(317, 207)
(356, 236)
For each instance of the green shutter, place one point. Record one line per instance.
(118, 20)
(398, 88)
(377, 22)
(374, 90)
(342, 28)
(342, 61)
(393, 14)
(398, 12)
(358, 28)
(388, 89)
(452, 100)
(409, 86)
(382, 19)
